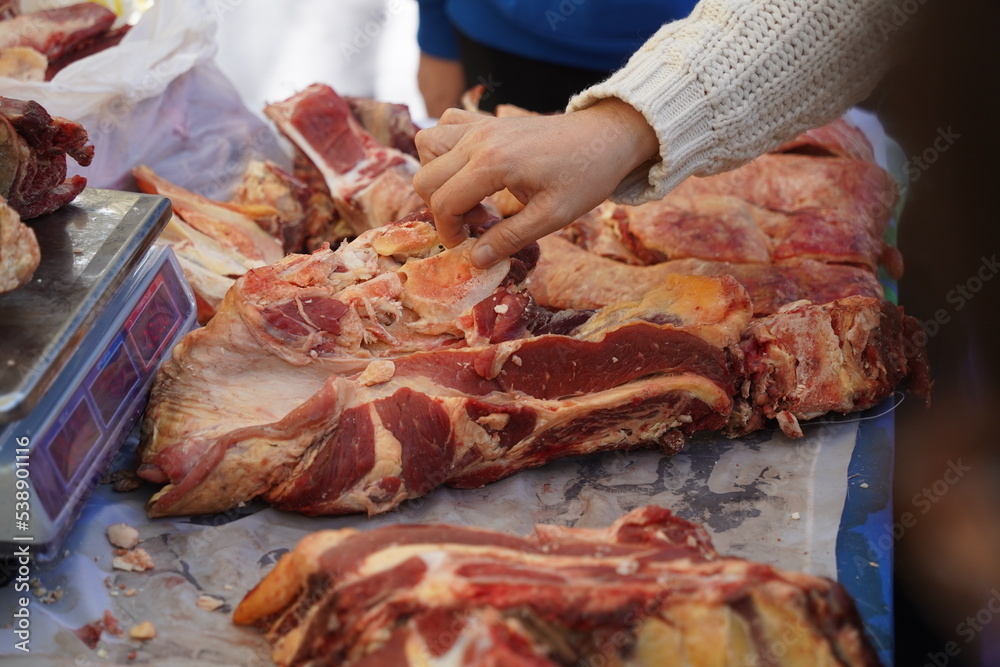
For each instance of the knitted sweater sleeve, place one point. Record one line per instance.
(739, 77)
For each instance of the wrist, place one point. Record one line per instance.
(636, 139)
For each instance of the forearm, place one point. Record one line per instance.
(738, 78)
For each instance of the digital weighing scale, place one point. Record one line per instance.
(79, 346)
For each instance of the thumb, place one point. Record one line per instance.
(513, 233)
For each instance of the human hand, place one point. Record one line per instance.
(441, 83)
(558, 166)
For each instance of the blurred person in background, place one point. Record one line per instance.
(531, 53)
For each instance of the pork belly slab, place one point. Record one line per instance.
(648, 590)
(349, 380)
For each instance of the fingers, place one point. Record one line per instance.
(433, 142)
(507, 237)
(457, 196)
(456, 116)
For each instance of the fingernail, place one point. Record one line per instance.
(483, 255)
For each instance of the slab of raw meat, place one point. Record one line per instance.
(567, 276)
(350, 380)
(19, 252)
(807, 360)
(724, 228)
(840, 188)
(85, 47)
(210, 267)
(649, 590)
(55, 32)
(33, 150)
(371, 184)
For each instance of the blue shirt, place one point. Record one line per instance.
(593, 34)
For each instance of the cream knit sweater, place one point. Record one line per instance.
(739, 77)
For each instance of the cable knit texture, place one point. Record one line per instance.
(739, 77)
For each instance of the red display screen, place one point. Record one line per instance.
(72, 444)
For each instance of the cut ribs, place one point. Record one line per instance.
(649, 590)
(371, 184)
(393, 366)
(19, 252)
(33, 150)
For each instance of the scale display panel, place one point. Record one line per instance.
(79, 347)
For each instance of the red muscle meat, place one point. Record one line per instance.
(649, 587)
(837, 139)
(33, 157)
(393, 366)
(371, 184)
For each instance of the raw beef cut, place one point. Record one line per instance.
(829, 191)
(804, 222)
(19, 252)
(56, 32)
(231, 224)
(567, 276)
(371, 184)
(807, 360)
(650, 590)
(724, 228)
(350, 380)
(33, 150)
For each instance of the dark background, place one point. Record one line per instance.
(948, 562)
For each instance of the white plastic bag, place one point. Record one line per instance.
(158, 99)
